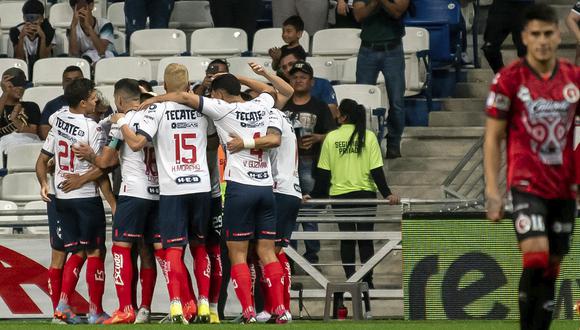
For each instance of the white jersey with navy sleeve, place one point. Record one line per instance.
(138, 168)
(284, 159)
(179, 134)
(67, 130)
(246, 120)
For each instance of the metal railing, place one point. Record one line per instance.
(466, 181)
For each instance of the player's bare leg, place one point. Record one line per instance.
(123, 277)
(274, 275)
(70, 278)
(148, 277)
(241, 278)
(95, 277)
(537, 283)
(201, 271)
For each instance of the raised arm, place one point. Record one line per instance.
(495, 132)
(362, 10)
(190, 99)
(272, 139)
(395, 7)
(108, 158)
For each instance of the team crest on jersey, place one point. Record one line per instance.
(571, 93)
(523, 224)
(498, 101)
(153, 106)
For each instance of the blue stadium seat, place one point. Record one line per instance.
(442, 19)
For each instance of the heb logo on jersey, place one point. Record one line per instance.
(258, 175)
(188, 179)
(251, 119)
(153, 190)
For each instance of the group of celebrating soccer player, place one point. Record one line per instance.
(166, 147)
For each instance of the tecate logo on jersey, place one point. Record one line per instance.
(188, 179)
(258, 175)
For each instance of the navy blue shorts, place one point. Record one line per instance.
(54, 225)
(249, 212)
(183, 218)
(83, 223)
(136, 218)
(215, 229)
(287, 208)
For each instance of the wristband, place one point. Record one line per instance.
(122, 121)
(249, 143)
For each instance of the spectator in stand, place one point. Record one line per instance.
(34, 38)
(572, 22)
(216, 66)
(313, 12)
(292, 30)
(344, 15)
(18, 120)
(504, 17)
(382, 51)
(322, 88)
(137, 12)
(311, 119)
(89, 37)
(352, 162)
(70, 74)
(241, 14)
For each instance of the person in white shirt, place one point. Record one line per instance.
(89, 37)
(80, 211)
(180, 136)
(249, 210)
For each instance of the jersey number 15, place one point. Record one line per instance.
(182, 146)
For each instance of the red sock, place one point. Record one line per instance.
(263, 287)
(54, 285)
(253, 276)
(123, 275)
(187, 294)
(148, 277)
(96, 282)
(287, 278)
(70, 276)
(201, 270)
(160, 257)
(274, 275)
(175, 269)
(242, 282)
(215, 257)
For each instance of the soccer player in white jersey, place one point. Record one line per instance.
(80, 211)
(136, 216)
(249, 211)
(180, 136)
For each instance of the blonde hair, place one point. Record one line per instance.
(176, 78)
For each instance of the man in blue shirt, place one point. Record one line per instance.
(70, 74)
(322, 88)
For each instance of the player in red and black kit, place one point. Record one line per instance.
(532, 104)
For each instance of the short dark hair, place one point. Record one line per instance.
(73, 3)
(146, 85)
(129, 87)
(295, 21)
(72, 68)
(539, 12)
(228, 82)
(33, 7)
(78, 90)
(292, 51)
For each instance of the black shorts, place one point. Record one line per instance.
(54, 225)
(183, 218)
(83, 223)
(249, 212)
(287, 208)
(136, 218)
(535, 217)
(215, 213)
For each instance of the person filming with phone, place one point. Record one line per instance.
(32, 39)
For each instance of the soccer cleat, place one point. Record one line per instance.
(143, 316)
(203, 313)
(98, 318)
(122, 317)
(263, 317)
(56, 320)
(65, 314)
(248, 320)
(176, 313)
(214, 317)
(284, 318)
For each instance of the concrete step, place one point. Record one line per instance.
(480, 75)
(463, 104)
(456, 118)
(471, 90)
(425, 164)
(411, 178)
(418, 192)
(439, 147)
(442, 132)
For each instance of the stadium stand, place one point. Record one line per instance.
(108, 92)
(264, 39)
(219, 42)
(48, 71)
(116, 15)
(190, 15)
(239, 66)
(6, 63)
(158, 43)
(37, 230)
(10, 16)
(324, 67)
(109, 70)
(22, 157)
(324, 43)
(20, 187)
(416, 48)
(8, 206)
(196, 67)
(41, 95)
